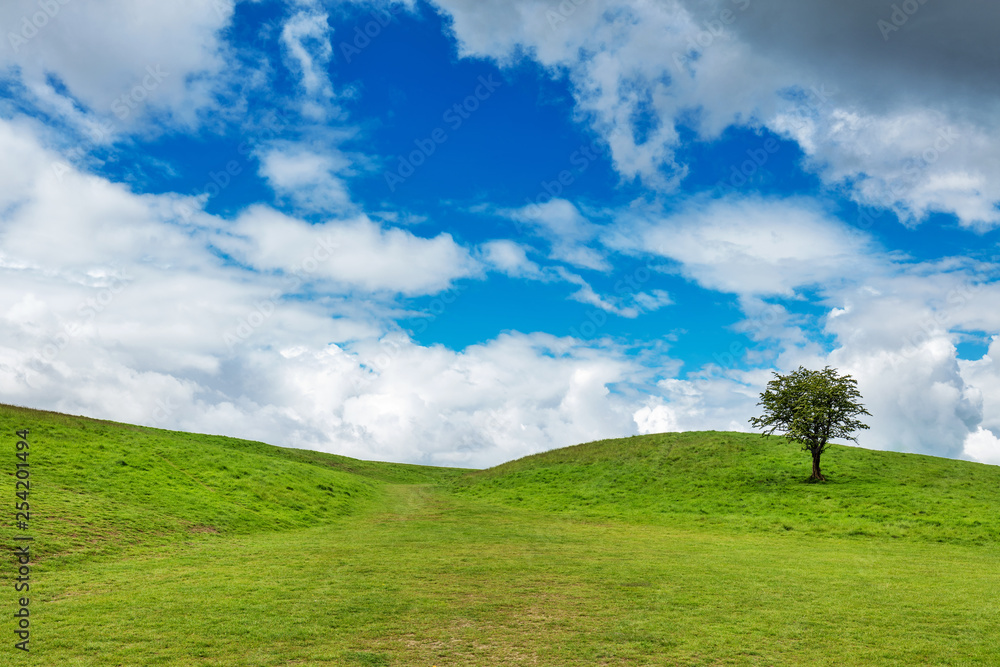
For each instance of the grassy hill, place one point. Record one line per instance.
(740, 482)
(163, 548)
(100, 486)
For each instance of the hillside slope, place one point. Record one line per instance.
(162, 548)
(742, 482)
(97, 486)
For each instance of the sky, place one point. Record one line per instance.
(457, 232)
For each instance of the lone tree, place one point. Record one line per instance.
(811, 408)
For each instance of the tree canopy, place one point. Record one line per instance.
(812, 408)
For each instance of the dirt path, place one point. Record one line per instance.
(412, 502)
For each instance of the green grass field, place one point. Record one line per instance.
(162, 548)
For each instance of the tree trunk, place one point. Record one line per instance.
(817, 475)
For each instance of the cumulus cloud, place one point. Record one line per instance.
(893, 324)
(751, 246)
(904, 117)
(108, 65)
(918, 399)
(113, 309)
(701, 403)
(509, 257)
(896, 332)
(500, 400)
(312, 181)
(146, 308)
(378, 397)
(982, 446)
(984, 375)
(355, 253)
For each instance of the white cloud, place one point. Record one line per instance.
(654, 300)
(375, 398)
(306, 38)
(122, 60)
(567, 230)
(510, 258)
(495, 401)
(894, 329)
(982, 446)
(309, 179)
(915, 132)
(913, 162)
(627, 303)
(625, 61)
(354, 254)
(112, 310)
(705, 403)
(117, 306)
(918, 399)
(984, 375)
(752, 246)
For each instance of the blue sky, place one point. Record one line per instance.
(460, 232)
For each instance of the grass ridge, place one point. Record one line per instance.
(744, 482)
(166, 548)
